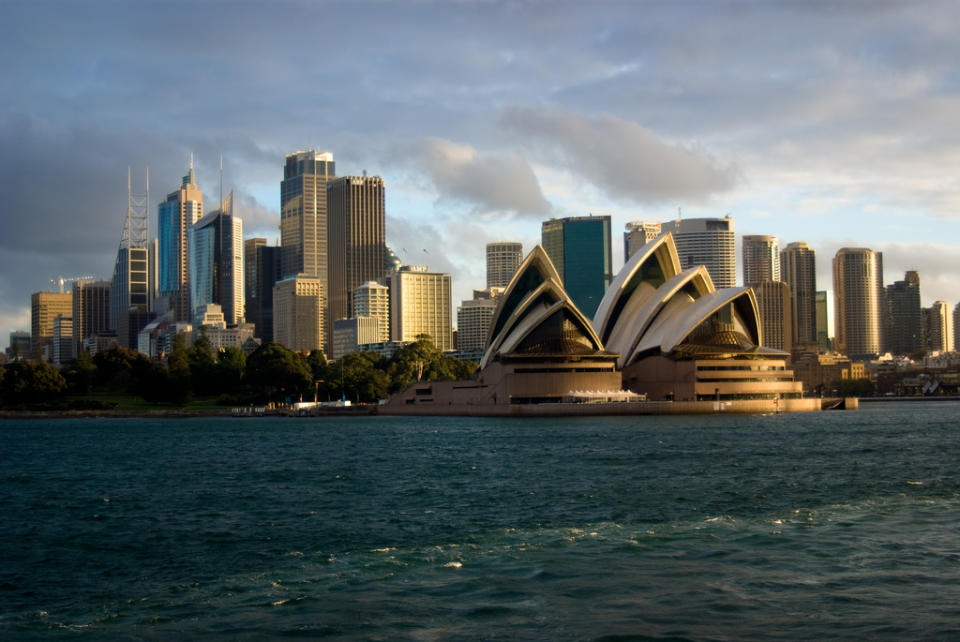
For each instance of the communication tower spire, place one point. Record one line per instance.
(136, 223)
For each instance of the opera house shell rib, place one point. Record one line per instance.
(680, 339)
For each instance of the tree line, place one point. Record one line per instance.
(271, 374)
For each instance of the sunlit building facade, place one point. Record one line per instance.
(420, 303)
(176, 215)
(298, 304)
(216, 262)
(858, 302)
(503, 259)
(707, 241)
(798, 268)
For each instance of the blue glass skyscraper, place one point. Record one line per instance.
(580, 250)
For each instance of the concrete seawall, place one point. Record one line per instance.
(753, 406)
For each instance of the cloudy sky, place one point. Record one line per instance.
(834, 123)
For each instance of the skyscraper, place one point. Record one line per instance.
(636, 235)
(356, 239)
(956, 328)
(303, 214)
(579, 247)
(773, 300)
(823, 325)
(904, 316)
(709, 242)
(298, 313)
(939, 327)
(91, 311)
(44, 308)
(183, 208)
(503, 259)
(798, 268)
(420, 304)
(216, 263)
(371, 299)
(473, 324)
(761, 259)
(261, 273)
(858, 302)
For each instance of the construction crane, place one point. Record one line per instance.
(60, 280)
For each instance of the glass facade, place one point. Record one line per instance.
(580, 250)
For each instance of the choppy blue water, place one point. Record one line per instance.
(822, 525)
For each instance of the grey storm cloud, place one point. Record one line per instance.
(621, 157)
(491, 182)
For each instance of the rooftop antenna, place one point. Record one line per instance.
(679, 214)
(136, 222)
(221, 181)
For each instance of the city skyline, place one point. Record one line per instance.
(827, 124)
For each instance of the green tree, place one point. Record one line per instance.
(854, 387)
(423, 361)
(27, 383)
(364, 377)
(81, 373)
(273, 373)
(178, 369)
(231, 364)
(203, 366)
(121, 369)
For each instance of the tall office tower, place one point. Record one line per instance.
(44, 308)
(904, 316)
(182, 209)
(823, 326)
(773, 300)
(503, 259)
(420, 304)
(298, 313)
(250, 270)
(956, 328)
(858, 302)
(939, 327)
(473, 324)
(19, 345)
(709, 242)
(371, 299)
(579, 247)
(216, 263)
(303, 214)
(91, 311)
(761, 259)
(263, 271)
(62, 342)
(636, 235)
(133, 287)
(798, 268)
(356, 239)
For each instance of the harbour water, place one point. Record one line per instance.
(810, 525)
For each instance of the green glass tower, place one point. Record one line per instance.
(579, 247)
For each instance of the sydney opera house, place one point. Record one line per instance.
(663, 340)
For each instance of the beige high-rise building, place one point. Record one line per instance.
(63, 349)
(176, 215)
(356, 239)
(350, 334)
(798, 268)
(939, 330)
(420, 303)
(773, 299)
(473, 324)
(91, 311)
(858, 302)
(44, 308)
(761, 259)
(298, 304)
(372, 299)
(503, 259)
(956, 327)
(709, 242)
(303, 214)
(823, 325)
(636, 235)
